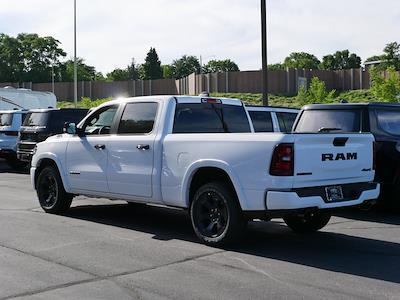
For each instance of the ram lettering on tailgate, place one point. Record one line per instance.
(339, 156)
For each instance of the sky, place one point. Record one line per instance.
(111, 33)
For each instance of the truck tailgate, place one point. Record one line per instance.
(329, 159)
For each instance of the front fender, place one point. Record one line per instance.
(191, 170)
(39, 159)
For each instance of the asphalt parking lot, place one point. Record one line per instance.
(107, 250)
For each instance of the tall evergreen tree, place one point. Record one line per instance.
(152, 66)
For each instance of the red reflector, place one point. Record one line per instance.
(11, 133)
(211, 100)
(282, 163)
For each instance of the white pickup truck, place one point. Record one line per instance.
(202, 155)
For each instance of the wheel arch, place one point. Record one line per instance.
(207, 171)
(45, 161)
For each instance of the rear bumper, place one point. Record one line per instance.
(291, 200)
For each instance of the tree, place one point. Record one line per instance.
(276, 67)
(167, 71)
(133, 73)
(226, 65)
(392, 55)
(29, 57)
(185, 66)
(152, 66)
(341, 60)
(85, 72)
(389, 58)
(118, 75)
(301, 60)
(385, 88)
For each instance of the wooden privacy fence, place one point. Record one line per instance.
(279, 82)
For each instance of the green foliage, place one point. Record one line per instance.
(385, 88)
(341, 60)
(85, 72)
(301, 60)
(302, 96)
(317, 92)
(276, 67)
(185, 66)
(28, 57)
(389, 59)
(167, 71)
(152, 66)
(356, 96)
(226, 65)
(118, 75)
(84, 103)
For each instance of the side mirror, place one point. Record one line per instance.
(69, 128)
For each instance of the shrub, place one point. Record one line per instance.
(317, 92)
(385, 88)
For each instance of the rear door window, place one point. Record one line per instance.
(210, 118)
(138, 118)
(339, 120)
(389, 120)
(262, 121)
(286, 120)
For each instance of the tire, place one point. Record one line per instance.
(216, 215)
(51, 193)
(309, 223)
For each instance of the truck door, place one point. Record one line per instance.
(131, 151)
(87, 155)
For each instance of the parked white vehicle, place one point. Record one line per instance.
(10, 123)
(201, 154)
(272, 119)
(11, 98)
(14, 104)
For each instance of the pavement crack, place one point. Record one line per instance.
(95, 278)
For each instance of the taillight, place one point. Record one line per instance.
(374, 155)
(11, 133)
(282, 163)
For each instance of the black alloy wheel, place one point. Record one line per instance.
(216, 214)
(51, 193)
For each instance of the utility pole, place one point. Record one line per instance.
(75, 61)
(264, 52)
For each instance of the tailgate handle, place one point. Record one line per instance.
(340, 141)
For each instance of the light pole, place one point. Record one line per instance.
(75, 61)
(264, 52)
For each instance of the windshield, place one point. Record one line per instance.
(329, 121)
(6, 119)
(388, 120)
(36, 119)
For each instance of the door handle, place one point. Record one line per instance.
(100, 147)
(143, 147)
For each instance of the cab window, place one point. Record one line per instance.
(101, 121)
(138, 118)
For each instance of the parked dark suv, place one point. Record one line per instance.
(381, 119)
(40, 124)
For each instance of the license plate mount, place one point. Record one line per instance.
(334, 193)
